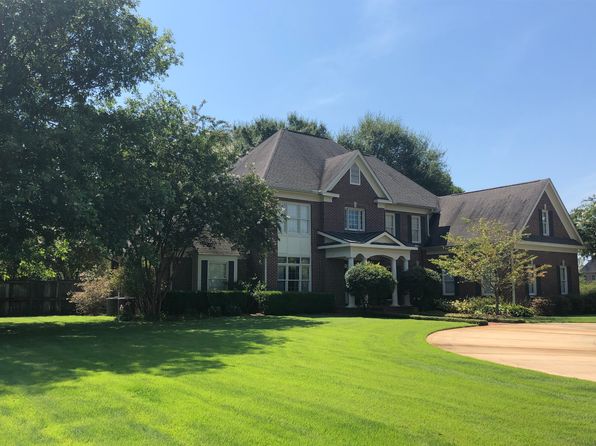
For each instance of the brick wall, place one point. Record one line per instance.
(363, 195)
(535, 227)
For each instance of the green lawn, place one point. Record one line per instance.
(271, 380)
(585, 318)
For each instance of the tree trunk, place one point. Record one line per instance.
(497, 302)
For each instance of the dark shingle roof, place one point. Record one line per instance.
(510, 205)
(299, 162)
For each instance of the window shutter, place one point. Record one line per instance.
(409, 238)
(551, 225)
(540, 227)
(398, 226)
(560, 276)
(478, 289)
(528, 289)
(423, 235)
(538, 286)
(231, 278)
(456, 287)
(204, 266)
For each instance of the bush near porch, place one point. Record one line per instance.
(235, 302)
(564, 305)
(483, 306)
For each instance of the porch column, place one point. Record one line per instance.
(351, 298)
(407, 295)
(394, 300)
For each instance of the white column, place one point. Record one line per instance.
(351, 298)
(394, 300)
(407, 295)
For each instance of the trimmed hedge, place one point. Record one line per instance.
(564, 305)
(240, 302)
(280, 303)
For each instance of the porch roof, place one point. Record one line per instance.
(367, 244)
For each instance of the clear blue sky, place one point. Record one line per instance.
(507, 88)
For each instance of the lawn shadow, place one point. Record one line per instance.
(39, 355)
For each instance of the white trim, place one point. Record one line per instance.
(355, 181)
(560, 209)
(369, 243)
(444, 274)
(548, 247)
(419, 220)
(365, 245)
(316, 196)
(362, 212)
(563, 289)
(217, 259)
(544, 222)
(365, 169)
(407, 209)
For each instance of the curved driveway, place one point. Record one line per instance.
(559, 349)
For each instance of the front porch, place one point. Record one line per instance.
(378, 247)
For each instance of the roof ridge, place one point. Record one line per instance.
(306, 134)
(493, 188)
(273, 152)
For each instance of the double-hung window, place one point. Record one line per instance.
(416, 229)
(355, 175)
(354, 219)
(532, 285)
(217, 275)
(390, 223)
(293, 274)
(297, 220)
(545, 222)
(564, 283)
(448, 284)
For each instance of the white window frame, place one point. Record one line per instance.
(485, 289)
(563, 280)
(445, 279)
(355, 175)
(304, 263)
(545, 222)
(416, 227)
(225, 279)
(390, 228)
(362, 222)
(303, 221)
(532, 285)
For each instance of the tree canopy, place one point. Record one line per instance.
(169, 188)
(406, 151)
(584, 217)
(246, 136)
(58, 62)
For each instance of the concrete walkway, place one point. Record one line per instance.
(559, 349)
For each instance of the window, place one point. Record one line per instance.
(486, 288)
(416, 232)
(448, 284)
(293, 274)
(298, 219)
(563, 279)
(217, 275)
(390, 223)
(545, 222)
(532, 288)
(354, 219)
(355, 175)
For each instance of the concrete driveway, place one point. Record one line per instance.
(559, 349)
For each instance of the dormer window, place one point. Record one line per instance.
(355, 175)
(545, 223)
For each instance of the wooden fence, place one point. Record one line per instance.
(35, 297)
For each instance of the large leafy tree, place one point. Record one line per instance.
(488, 254)
(170, 187)
(406, 151)
(584, 217)
(246, 136)
(58, 61)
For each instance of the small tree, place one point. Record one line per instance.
(584, 218)
(93, 289)
(488, 254)
(423, 284)
(369, 279)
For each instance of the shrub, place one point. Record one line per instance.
(423, 285)
(445, 305)
(280, 303)
(367, 279)
(486, 306)
(564, 305)
(92, 291)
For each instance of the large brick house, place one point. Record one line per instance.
(344, 207)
